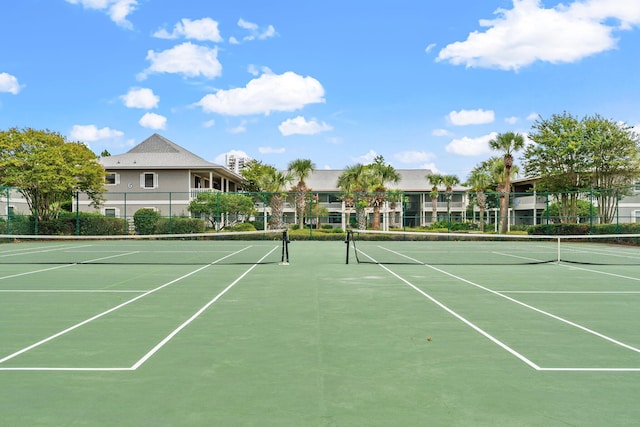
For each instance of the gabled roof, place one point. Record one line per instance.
(157, 152)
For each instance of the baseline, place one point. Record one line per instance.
(495, 340)
(111, 310)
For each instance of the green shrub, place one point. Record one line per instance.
(243, 226)
(145, 220)
(179, 225)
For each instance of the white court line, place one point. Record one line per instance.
(504, 346)
(59, 266)
(459, 317)
(70, 291)
(111, 310)
(197, 314)
(574, 292)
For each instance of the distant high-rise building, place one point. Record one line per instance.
(236, 163)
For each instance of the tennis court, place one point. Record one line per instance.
(177, 332)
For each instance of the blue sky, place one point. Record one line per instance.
(425, 84)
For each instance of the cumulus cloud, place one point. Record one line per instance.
(471, 117)
(300, 126)
(187, 59)
(256, 33)
(366, 158)
(91, 133)
(529, 32)
(118, 10)
(153, 121)
(270, 150)
(411, 157)
(471, 146)
(205, 29)
(533, 116)
(267, 93)
(138, 97)
(241, 128)
(9, 83)
(511, 120)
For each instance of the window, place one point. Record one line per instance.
(149, 180)
(110, 212)
(112, 178)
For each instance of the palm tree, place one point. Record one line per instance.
(300, 169)
(380, 174)
(436, 180)
(449, 181)
(275, 182)
(350, 183)
(508, 143)
(479, 180)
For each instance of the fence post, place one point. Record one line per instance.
(77, 213)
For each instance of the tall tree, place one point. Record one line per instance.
(352, 183)
(47, 169)
(479, 180)
(253, 172)
(380, 174)
(507, 143)
(614, 156)
(300, 169)
(572, 157)
(275, 182)
(449, 181)
(435, 179)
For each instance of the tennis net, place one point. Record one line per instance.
(252, 247)
(404, 247)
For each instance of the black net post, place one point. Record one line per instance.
(285, 247)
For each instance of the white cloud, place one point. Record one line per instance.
(9, 83)
(410, 157)
(221, 159)
(153, 121)
(118, 10)
(91, 133)
(209, 123)
(187, 59)
(267, 93)
(636, 129)
(241, 128)
(270, 150)
(140, 98)
(205, 29)
(471, 146)
(529, 32)
(511, 120)
(366, 158)
(441, 132)
(255, 31)
(471, 117)
(430, 47)
(300, 126)
(533, 116)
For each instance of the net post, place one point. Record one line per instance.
(285, 248)
(559, 256)
(346, 241)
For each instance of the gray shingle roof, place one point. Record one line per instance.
(159, 153)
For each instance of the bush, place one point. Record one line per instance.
(179, 226)
(243, 226)
(145, 220)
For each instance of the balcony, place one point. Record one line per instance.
(529, 202)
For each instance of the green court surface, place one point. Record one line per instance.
(316, 342)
